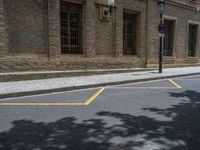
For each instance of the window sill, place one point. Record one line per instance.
(169, 57)
(128, 56)
(192, 59)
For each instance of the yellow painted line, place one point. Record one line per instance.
(41, 104)
(175, 84)
(141, 88)
(90, 100)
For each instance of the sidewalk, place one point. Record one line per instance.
(23, 88)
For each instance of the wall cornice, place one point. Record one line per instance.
(181, 4)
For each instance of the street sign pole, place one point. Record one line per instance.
(161, 28)
(161, 46)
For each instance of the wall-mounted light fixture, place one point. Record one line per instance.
(110, 4)
(106, 8)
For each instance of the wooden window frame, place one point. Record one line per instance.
(197, 46)
(170, 43)
(135, 42)
(192, 50)
(70, 9)
(174, 19)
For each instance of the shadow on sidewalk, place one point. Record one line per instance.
(130, 133)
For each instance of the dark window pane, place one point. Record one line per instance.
(70, 28)
(192, 40)
(130, 30)
(168, 39)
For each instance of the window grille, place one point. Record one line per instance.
(169, 37)
(192, 39)
(130, 34)
(71, 28)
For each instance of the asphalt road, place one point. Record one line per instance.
(158, 115)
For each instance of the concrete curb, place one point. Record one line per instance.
(20, 94)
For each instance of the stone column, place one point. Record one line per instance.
(90, 22)
(152, 34)
(119, 29)
(2, 30)
(54, 28)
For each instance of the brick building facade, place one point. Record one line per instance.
(74, 34)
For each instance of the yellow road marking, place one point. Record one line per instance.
(41, 104)
(141, 88)
(90, 100)
(175, 84)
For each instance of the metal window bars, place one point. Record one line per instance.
(192, 39)
(130, 33)
(169, 37)
(70, 29)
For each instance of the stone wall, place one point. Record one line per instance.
(133, 6)
(104, 34)
(34, 63)
(53, 21)
(182, 15)
(25, 26)
(2, 29)
(31, 29)
(90, 26)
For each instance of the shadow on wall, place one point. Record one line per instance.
(131, 133)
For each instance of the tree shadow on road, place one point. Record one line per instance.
(129, 133)
(185, 124)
